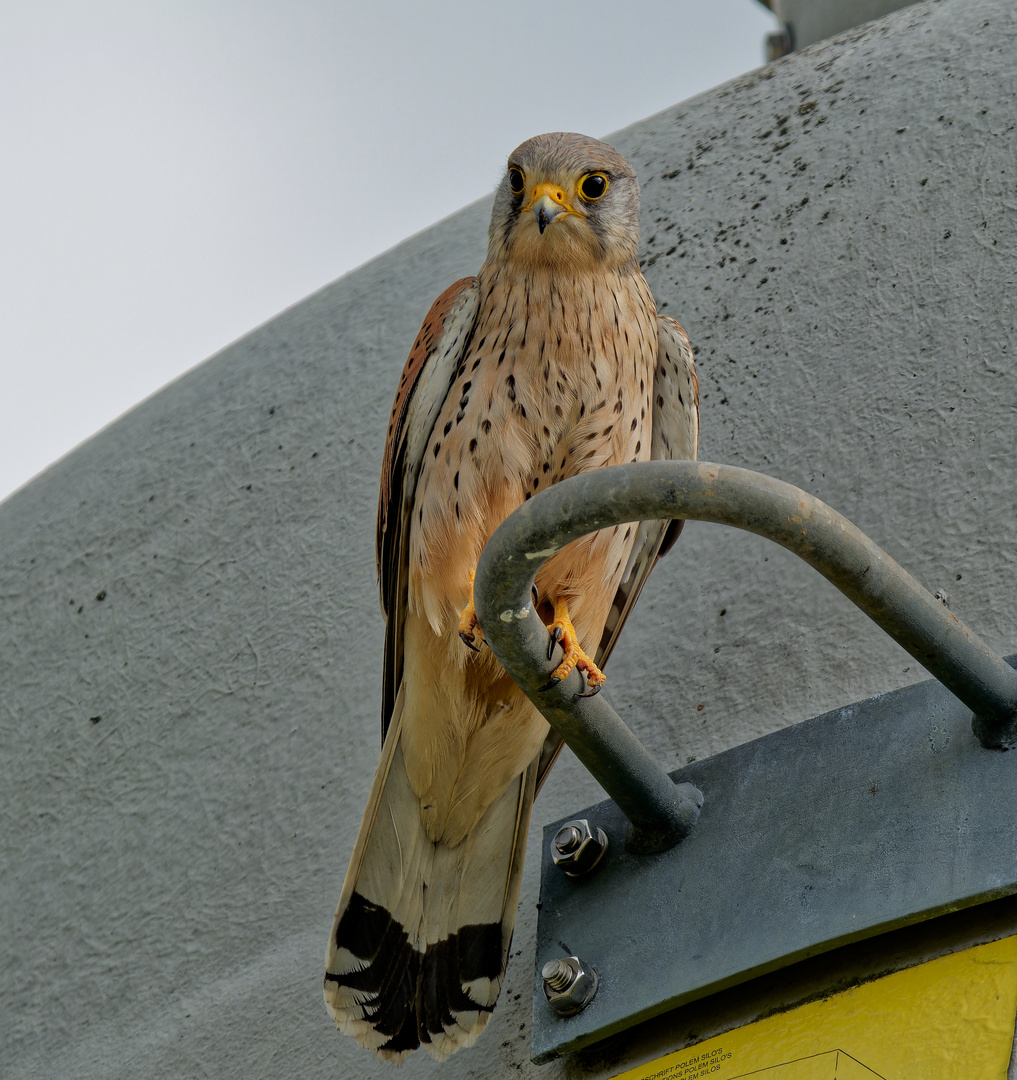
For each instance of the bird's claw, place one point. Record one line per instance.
(554, 680)
(469, 630)
(562, 632)
(555, 638)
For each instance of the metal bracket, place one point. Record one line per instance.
(854, 823)
(842, 553)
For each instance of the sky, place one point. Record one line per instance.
(177, 173)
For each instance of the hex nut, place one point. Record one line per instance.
(569, 985)
(575, 849)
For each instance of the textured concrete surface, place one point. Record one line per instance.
(190, 638)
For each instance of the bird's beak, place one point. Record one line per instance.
(548, 203)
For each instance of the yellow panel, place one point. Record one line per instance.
(949, 1019)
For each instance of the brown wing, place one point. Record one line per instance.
(674, 436)
(439, 348)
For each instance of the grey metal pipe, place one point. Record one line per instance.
(815, 532)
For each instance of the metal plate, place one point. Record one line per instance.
(854, 823)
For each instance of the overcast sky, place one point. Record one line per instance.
(176, 172)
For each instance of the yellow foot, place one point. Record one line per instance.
(469, 631)
(564, 633)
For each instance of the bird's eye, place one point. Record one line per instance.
(592, 186)
(516, 181)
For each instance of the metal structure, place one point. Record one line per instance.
(794, 821)
(804, 22)
(849, 825)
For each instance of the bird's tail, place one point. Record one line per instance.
(422, 932)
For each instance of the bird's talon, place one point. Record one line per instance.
(592, 687)
(557, 633)
(552, 682)
(469, 629)
(563, 633)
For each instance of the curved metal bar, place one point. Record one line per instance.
(815, 532)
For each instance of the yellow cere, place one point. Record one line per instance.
(949, 1019)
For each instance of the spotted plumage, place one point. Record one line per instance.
(551, 362)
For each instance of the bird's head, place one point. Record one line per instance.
(566, 201)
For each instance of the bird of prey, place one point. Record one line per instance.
(551, 362)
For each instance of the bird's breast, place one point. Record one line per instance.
(556, 381)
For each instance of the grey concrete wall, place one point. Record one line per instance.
(190, 638)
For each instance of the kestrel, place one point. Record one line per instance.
(551, 362)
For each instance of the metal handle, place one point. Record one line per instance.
(815, 532)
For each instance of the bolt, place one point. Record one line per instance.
(569, 984)
(557, 974)
(567, 839)
(575, 849)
